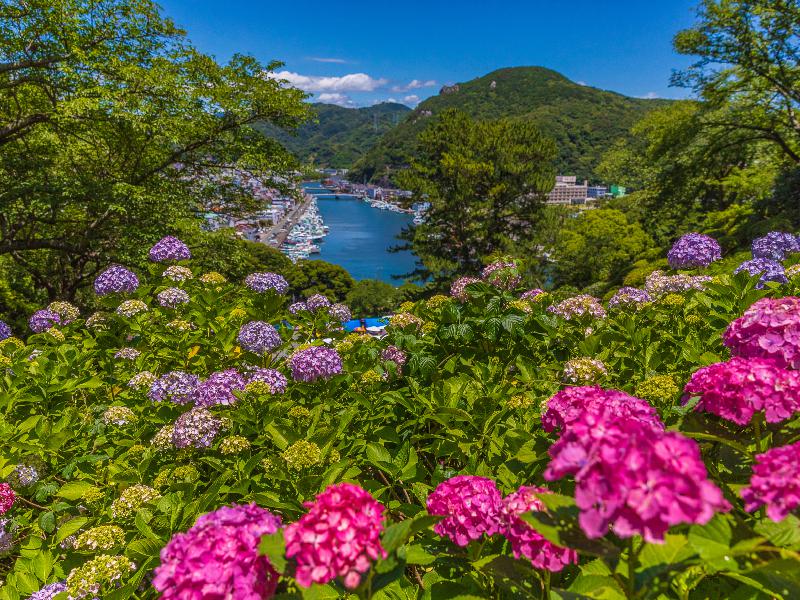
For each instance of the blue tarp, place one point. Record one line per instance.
(371, 322)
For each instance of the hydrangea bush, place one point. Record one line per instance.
(198, 438)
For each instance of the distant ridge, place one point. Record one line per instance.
(584, 121)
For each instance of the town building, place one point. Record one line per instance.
(567, 191)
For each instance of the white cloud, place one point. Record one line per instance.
(412, 100)
(650, 96)
(334, 98)
(353, 82)
(581, 83)
(325, 59)
(415, 84)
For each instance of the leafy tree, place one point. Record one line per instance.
(485, 181)
(319, 277)
(371, 297)
(114, 131)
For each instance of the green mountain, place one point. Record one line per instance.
(584, 121)
(338, 137)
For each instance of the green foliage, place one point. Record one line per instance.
(370, 297)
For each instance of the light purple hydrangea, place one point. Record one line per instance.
(316, 302)
(168, 249)
(769, 270)
(578, 306)
(127, 354)
(5, 331)
(340, 312)
(262, 282)
(297, 307)
(175, 386)
(776, 245)
(274, 379)
(172, 297)
(503, 274)
(315, 362)
(42, 320)
(458, 289)
(258, 337)
(657, 284)
(694, 250)
(219, 388)
(629, 297)
(116, 279)
(395, 355)
(195, 428)
(49, 591)
(531, 294)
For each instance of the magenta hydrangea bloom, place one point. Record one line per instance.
(531, 294)
(770, 328)
(42, 320)
(7, 497)
(339, 536)
(767, 269)
(258, 337)
(775, 482)
(577, 307)
(776, 245)
(317, 302)
(458, 289)
(274, 379)
(569, 404)
(525, 540)
(175, 386)
(262, 282)
(315, 362)
(471, 506)
(737, 389)
(195, 428)
(116, 279)
(503, 274)
(633, 477)
(168, 249)
(629, 297)
(219, 388)
(218, 558)
(694, 250)
(5, 331)
(395, 355)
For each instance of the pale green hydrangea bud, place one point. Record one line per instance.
(98, 576)
(103, 537)
(132, 499)
(302, 455)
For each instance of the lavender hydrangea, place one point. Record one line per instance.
(262, 282)
(317, 302)
(5, 331)
(219, 388)
(258, 337)
(694, 250)
(769, 270)
(195, 428)
(578, 306)
(127, 354)
(168, 249)
(42, 320)
(175, 386)
(274, 379)
(316, 362)
(172, 297)
(340, 312)
(297, 307)
(776, 245)
(49, 591)
(629, 297)
(116, 279)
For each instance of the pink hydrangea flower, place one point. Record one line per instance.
(775, 482)
(737, 389)
(471, 506)
(218, 558)
(459, 288)
(633, 477)
(7, 497)
(338, 537)
(525, 540)
(770, 328)
(568, 405)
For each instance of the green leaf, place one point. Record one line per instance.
(70, 527)
(74, 490)
(273, 546)
(712, 540)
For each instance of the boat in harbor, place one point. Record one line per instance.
(310, 228)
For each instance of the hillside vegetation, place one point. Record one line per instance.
(582, 120)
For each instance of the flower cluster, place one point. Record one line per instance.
(531, 295)
(97, 320)
(177, 273)
(503, 274)
(218, 557)
(775, 482)
(7, 497)
(127, 354)
(694, 250)
(793, 271)
(339, 536)
(629, 297)
(219, 388)
(471, 506)
(584, 370)
(258, 337)
(5, 331)
(436, 302)
(578, 306)
(570, 404)
(262, 282)
(315, 362)
(233, 444)
(317, 302)
(633, 476)
(175, 386)
(118, 415)
(49, 591)
(25, 474)
(395, 355)
(458, 289)
(42, 320)
(103, 537)
(274, 380)
(162, 440)
(768, 269)
(302, 455)
(168, 249)
(172, 297)
(213, 278)
(115, 279)
(96, 576)
(770, 328)
(659, 388)
(195, 428)
(402, 320)
(657, 284)
(132, 499)
(525, 540)
(297, 307)
(776, 245)
(142, 380)
(340, 312)
(129, 308)
(737, 389)
(66, 311)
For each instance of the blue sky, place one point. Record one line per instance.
(359, 53)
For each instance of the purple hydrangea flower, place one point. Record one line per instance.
(340, 312)
(395, 355)
(175, 386)
(274, 379)
(316, 302)
(316, 362)
(261, 282)
(168, 249)
(5, 331)
(297, 307)
(694, 250)
(196, 428)
(258, 337)
(629, 296)
(172, 297)
(49, 591)
(127, 354)
(42, 320)
(770, 270)
(115, 279)
(775, 245)
(218, 388)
